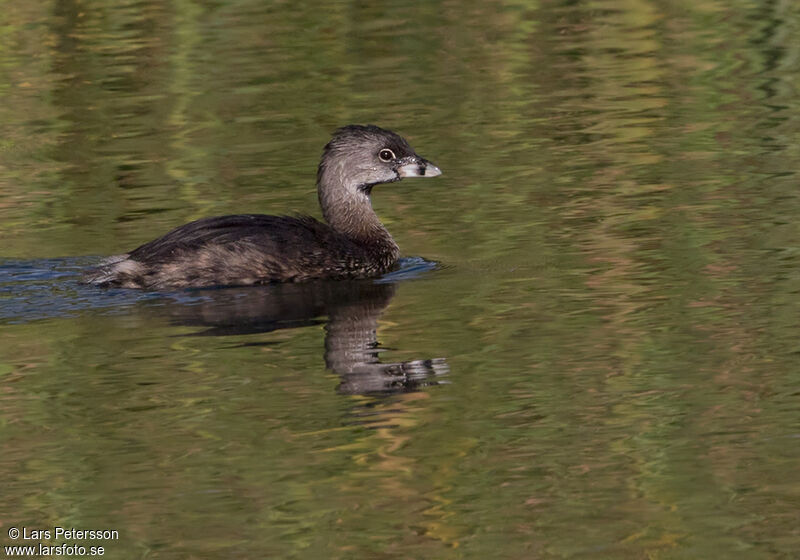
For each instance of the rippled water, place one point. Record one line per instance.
(590, 352)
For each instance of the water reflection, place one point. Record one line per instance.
(34, 290)
(352, 349)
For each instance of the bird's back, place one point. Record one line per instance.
(241, 250)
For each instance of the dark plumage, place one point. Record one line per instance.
(258, 249)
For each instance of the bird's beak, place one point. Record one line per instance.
(418, 167)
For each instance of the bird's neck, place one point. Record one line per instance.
(349, 211)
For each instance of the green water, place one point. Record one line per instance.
(604, 364)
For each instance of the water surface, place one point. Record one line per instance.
(604, 363)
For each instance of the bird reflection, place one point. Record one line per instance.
(352, 308)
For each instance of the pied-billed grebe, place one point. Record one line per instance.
(250, 249)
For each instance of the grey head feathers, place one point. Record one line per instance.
(362, 156)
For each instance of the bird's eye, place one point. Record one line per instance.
(386, 155)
